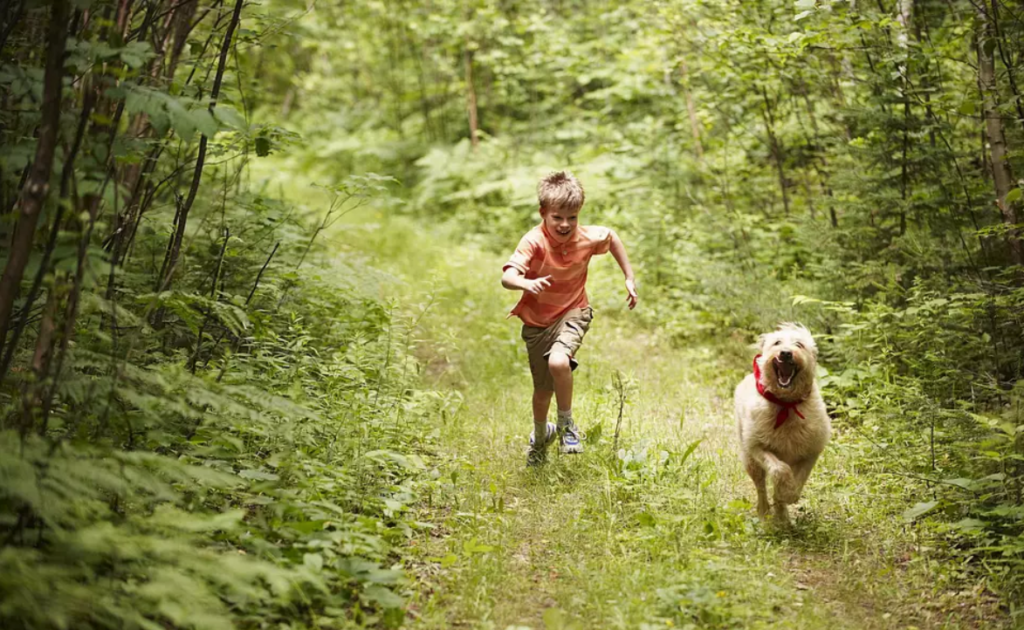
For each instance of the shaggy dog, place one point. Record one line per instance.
(782, 420)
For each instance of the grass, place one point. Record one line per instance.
(653, 529)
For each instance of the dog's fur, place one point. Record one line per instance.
(785, 454)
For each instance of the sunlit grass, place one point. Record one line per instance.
(667, 540)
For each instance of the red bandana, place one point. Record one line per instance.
(783, 414)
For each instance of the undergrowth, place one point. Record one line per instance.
(263, 482)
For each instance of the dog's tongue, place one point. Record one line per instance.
(785, 371)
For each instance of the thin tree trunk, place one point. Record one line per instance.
(70, 312)
(776, 148)
(471, 99)
(994, 22)
(238, 340)
(691, 111)
(421, 80)
(67, 174)
(11, 19)
(182, 26)
(820, 163)
(214, 297)
(37, 185)
(906, 11)
(1002, 176)
(174, 245)
(40, 359)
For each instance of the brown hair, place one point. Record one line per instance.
(560, 190)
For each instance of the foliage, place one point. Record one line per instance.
(211, 413)
(751, 153)
(208, 423)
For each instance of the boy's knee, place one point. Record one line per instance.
(558, 362)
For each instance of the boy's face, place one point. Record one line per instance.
(560, 223)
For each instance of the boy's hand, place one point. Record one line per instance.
(632, 298)
(537, 285)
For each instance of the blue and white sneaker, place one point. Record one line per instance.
(570, 439)
(539, 449)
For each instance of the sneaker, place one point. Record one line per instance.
(539, 449)
(570, 440)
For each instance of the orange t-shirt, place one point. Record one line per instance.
(539, 255)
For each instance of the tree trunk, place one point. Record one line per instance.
(994, 22)
(775, 147)
(37, 185)
(471, 99)
(1002, 177)
(819, 161)
(691, 111)
(66, 177)
(906, 11)
(32, 394)
(174, 245)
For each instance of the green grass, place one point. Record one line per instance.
(654, 531)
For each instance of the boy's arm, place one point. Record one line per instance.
(514, 280)
(618, 251)
(513, 275)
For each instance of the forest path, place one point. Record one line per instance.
(658, 532)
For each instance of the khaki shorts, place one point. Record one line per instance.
(565, 335)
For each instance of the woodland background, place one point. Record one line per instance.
(210, 416)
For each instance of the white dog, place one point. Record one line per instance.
(782, 420)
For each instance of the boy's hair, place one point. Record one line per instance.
(560, 190)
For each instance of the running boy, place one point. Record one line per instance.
(550, 267)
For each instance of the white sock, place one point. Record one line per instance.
(564, 418)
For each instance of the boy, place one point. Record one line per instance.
(550, 267)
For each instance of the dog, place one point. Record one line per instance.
(782, 421)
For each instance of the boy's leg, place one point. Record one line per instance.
(551, 352)
(561, 371)
(544, 433)
(541, 404)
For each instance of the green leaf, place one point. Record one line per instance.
(966, 484)
(449, 560)
(919, 510)
(262, 146)
(135, 54)
(258, 474)
(689, 450)
(204, 121)
(383, 597)
(314, 561)
(472, 546)
(229, 117)
(969, 525)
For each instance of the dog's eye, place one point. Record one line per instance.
(799, 345)
(777, 342)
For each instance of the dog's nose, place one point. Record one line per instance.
(786, 355)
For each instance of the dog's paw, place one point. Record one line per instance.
(781, 516)
(786, 490)
(789, 494)
(762, 508)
